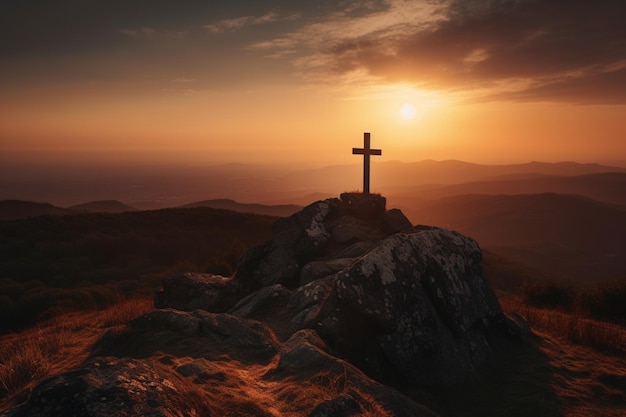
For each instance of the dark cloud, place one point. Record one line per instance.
(74, 41)
(40, 27)
(561, 50)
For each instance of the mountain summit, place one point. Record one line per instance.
(344, 297)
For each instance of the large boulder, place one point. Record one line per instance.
(417, 303)
(191, 291)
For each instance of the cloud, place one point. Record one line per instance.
(532, 50)
(229, 25)
(322, 46)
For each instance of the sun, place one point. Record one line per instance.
(407, 111)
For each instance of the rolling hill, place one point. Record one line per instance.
(608, 187)
(151, 187)
(282, 210)
(564, 235)
(18, 209)
(103, 206)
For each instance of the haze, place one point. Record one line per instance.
(112, 84)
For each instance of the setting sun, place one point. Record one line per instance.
(408, 112)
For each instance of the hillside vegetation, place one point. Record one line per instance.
(86, 261)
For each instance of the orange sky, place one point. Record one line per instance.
(284, 81)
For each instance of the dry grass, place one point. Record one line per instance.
(57, 345)
(63, 343)
(599, 335)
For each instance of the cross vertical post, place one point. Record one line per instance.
(366, 151)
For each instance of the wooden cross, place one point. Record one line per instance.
(366, 151)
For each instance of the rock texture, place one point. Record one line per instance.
(422, 305)
(344, 294)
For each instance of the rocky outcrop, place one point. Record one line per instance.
(316, 231)
(346, 294)
(403, 303)
(173, 363)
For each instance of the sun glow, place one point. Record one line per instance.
(407, 111)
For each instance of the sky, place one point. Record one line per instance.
(293, 81)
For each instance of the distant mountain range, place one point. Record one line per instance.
(171, 186)
(283, 210)
(560, 219)
(17, 209)
(392, 177)
(609, 187)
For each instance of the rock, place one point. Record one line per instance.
(304, 319)
(267, 298)
(305, 358)
(395, 221)
(357, 249)
(192, 291)
(310, 294)
(194, 334)
(321, 228)
(321, 269)
(271, 263)
(295, 241)
(305, 350)
(349, 229)
(419, 301)
(364, 206)
(343, 406)
(105, 387)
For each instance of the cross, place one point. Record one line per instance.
(366, 151)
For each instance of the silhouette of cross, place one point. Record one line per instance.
(366, 151)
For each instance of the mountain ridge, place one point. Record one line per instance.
(281, 210)
(153, 187)
(103, 206)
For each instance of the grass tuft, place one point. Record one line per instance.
(59, 344)
(22, 363)
(573, 327)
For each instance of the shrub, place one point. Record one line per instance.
(548, 294)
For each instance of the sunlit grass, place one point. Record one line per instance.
(573, 327)
(57, 345)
